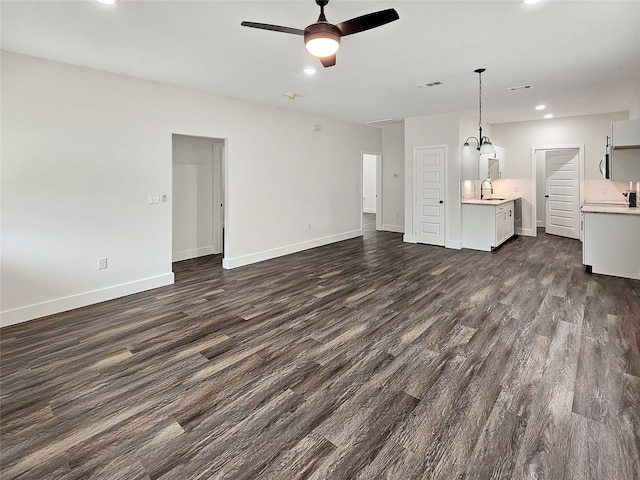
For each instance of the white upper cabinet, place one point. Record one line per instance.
(492, 166)
(625, 150)
(480, 167)
(625, 134)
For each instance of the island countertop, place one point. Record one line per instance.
(489, 201)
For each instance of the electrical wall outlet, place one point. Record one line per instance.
(102, 263)
(154, 198)
(308, 226)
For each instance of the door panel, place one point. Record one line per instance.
(429, 197)
(562, 185)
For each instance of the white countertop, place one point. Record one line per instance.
(489, 201)
(595, 207)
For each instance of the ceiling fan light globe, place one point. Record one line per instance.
(322, 46)
(466, 149)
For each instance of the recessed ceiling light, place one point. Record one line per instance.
(529, 2)
(541, 107)
(309, 70)
(107, 2)
(548, 116)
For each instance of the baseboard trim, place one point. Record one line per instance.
(38, 310)
(393, 228)
(229, 263)
(410, 238)
(192, 253)
(527, 232)
(454, 244)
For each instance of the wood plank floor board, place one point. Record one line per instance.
(523, 372)
(300, 461)
(598, 386)
(367, 441)
(600, 451)
(368, 358)
(495, 453)
(546, 438)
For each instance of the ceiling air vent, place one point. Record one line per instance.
(521, 87)
(429, 84)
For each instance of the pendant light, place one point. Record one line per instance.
(483, 142)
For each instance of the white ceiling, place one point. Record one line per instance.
(582, 57)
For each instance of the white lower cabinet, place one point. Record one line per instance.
(505, 223)
(611, 244)
(486, 226)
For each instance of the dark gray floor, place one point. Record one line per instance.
(369, 358)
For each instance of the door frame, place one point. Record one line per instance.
(534, 180)
(414, 203)
(378, 156)
(218, 196)
(220, 191)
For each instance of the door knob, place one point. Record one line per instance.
(546, 196)
(441, 201)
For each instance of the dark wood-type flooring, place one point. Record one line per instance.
(366, 359)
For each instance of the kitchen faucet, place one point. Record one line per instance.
(482, 188)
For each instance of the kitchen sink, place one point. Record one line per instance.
(493, 198)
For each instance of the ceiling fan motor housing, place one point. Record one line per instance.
(322, 30)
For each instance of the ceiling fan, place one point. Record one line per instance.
(322, 38)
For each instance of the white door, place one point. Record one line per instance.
(429, 197)
(562, 187)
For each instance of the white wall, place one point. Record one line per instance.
(393, 178)
(442, 129)
(369, 180)
(590, 131)
(468, 127)
(192, 211)
(82, 149)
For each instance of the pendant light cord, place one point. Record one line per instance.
(480, 104)
(480, 138)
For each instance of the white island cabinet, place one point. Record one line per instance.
(487, 224)
(611, 244)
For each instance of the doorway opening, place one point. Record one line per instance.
(558, 180)
(197, 197)
(371, 191)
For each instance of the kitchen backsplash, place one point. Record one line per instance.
(502, 187)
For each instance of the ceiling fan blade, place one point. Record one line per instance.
(328, 61)
(275, 28)
(367, 22)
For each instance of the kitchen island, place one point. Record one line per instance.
(611, 244)
(487, 223)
